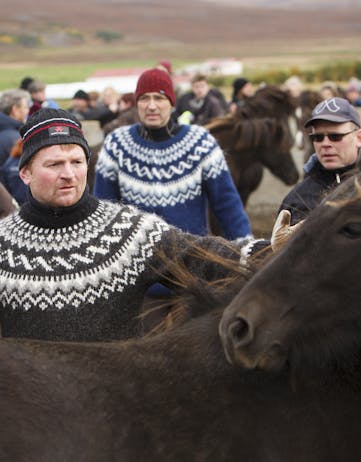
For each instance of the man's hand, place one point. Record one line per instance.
(282, 230)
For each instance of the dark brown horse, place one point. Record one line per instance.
(299, 318)
(167, 398)
(7, 204)
(258, 136)
(305, 104)
(174, 397)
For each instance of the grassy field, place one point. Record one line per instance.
(76, 63)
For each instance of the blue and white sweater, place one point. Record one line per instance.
(175, 178)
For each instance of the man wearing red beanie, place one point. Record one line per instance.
(172, 170)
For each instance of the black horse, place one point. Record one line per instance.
(258, 136)
(290, 390)
(299, 319)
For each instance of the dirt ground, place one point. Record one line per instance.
(264, 202)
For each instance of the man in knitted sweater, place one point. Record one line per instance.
(175, 171)
(73, 267)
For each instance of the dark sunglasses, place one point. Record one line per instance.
(318, 137)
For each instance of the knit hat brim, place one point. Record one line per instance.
(48, 127)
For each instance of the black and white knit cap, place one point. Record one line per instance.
(47, 127)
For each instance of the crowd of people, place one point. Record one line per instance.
(78, 263)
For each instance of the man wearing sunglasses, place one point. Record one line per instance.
(334, 129)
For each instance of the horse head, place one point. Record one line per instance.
(275, 153)
(303, 307)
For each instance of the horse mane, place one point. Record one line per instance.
(194, 296)
(258, 122)
(254, 133)
(269, 100)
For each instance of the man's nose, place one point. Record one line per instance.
(67, 171)
(152, 103)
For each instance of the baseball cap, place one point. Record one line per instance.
(335, 110)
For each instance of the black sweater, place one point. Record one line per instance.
(79, 273)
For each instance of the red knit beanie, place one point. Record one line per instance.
(155, 80)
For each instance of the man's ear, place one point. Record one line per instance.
(25, 174)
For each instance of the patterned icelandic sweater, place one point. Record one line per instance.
(175, 178)
(79, 274)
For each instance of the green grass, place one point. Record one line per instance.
(78, 62)
(11, 76)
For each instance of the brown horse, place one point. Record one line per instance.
(299, 319)
(258, 136)
(7, 204)
(305, 104)
(174, 397)
(307, 298)
(157, 399)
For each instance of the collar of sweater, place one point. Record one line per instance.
(159, 134)
(327, 174)
(43, 216)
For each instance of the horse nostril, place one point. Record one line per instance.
(240, 332)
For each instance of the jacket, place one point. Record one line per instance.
(9, 134)
(307, 194)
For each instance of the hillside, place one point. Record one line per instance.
(196, 28)
(291, 4)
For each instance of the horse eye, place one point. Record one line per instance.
(352, 230)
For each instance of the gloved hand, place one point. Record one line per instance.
(282, 230)
(186, 118)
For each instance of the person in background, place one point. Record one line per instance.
(109, 103)
(165, 65)
(336, 135)
(82, 109)
(78, 267)
(93, 98)
(353, 92)
(200, 105)
(328, 90)
(128, 114)
(175, 171)
(242, 89)
(294, 86)
(14, 110)
(10, 174)
(25, 82)
(37, 90)
(80, 104)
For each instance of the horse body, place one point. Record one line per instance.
(170, 398)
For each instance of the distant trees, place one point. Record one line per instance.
(108, 35)
(337, 72)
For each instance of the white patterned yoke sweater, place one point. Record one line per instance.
(79, 273)
(175, 178)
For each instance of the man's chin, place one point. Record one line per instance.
(66, 200)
